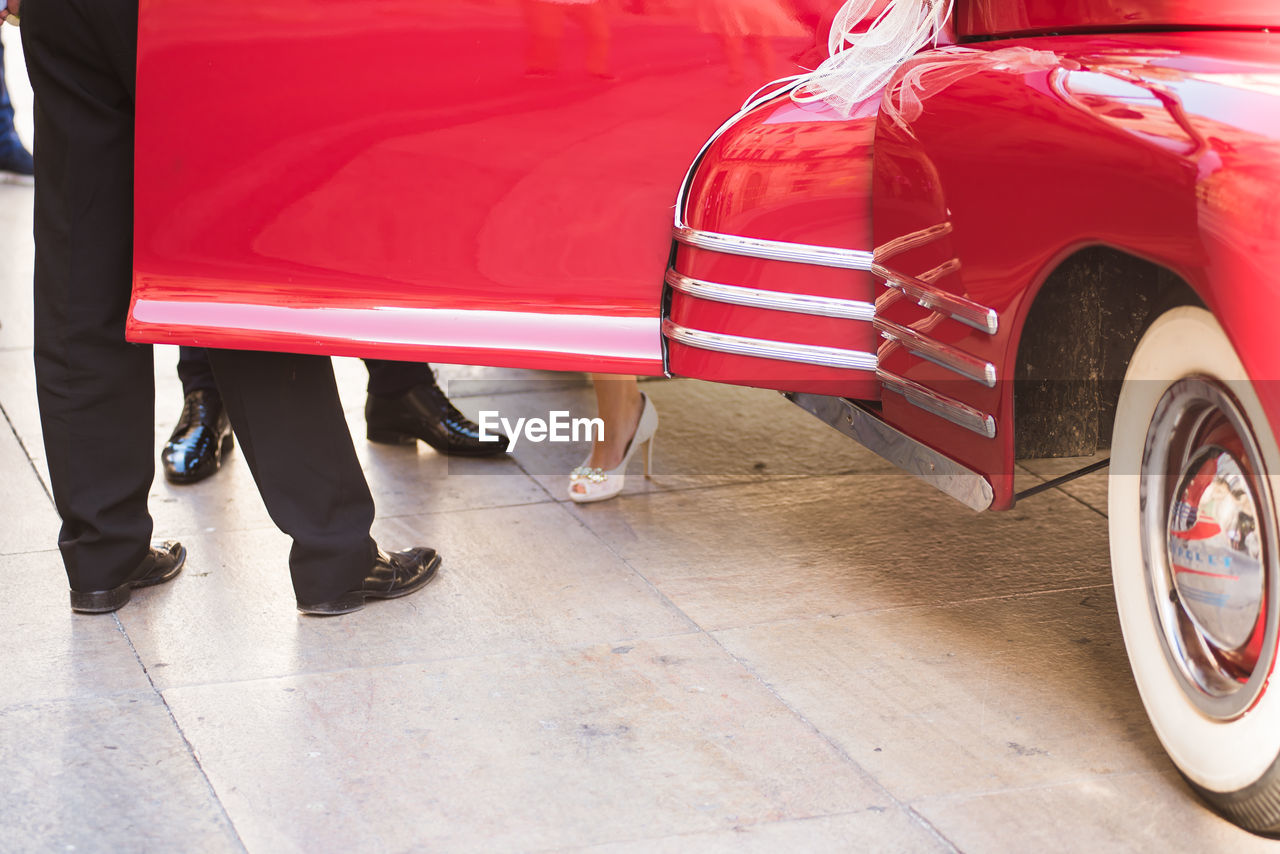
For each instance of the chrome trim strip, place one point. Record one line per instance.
(736, 345)
(771, 300)
(940, 404)
(940, 354)
(343, 330)
(958, 308)
(891, 294)
(946, 268)
(912, 240)
(870, 430)
(774, 250)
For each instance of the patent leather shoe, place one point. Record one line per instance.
(391, 576)
(162, 563)
(425, 413)
(202, 438)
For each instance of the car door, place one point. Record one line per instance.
(474, 181)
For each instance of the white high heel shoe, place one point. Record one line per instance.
(599, 484)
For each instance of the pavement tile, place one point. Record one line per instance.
(62, 655)
(18, 398)
(30, 521)
(519, 752)
(104, 774)
(409, 480)
(16, 315)
(1125, 812)
(746, 554)
(965, 699)
(226, 502)
(513, 579)
(883, 830)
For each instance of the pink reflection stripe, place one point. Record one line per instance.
(602, 335)
(1180, 568)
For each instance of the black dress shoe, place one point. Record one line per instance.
(392, 576)
(425, 413)
(161, 564)
(203, 435)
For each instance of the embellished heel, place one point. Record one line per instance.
(599, 484)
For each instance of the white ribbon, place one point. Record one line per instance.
(861, 64)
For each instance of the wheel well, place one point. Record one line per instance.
(1076, 344)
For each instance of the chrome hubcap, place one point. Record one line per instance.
(1214, 548)
(1208, 546)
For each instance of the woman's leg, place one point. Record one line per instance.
(619, 404)
(629, 424)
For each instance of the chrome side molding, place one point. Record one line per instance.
(772, 300)
(946, 268)
(958, 308)
(950, 358)
(940, 404)
(736, 345)
(868, 429)
(774, 250)
(912, 240)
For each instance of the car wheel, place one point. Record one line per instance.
(1194, 560)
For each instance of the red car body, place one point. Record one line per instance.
(484, 182)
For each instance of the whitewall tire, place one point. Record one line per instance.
(1194, 555)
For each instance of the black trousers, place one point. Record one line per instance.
(386, 378)
(96, 391)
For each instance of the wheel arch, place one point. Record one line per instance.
(1074, 342)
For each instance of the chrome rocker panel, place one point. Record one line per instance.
(869, 430)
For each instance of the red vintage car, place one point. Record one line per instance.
(1056, 230)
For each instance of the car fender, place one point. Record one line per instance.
(1002, 159)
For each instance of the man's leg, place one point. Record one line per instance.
(406, 404)
(194, 370)
(96, 391)
(202, 435)
(392, 379)
(288, 418)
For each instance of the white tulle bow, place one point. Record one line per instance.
(862, 63)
